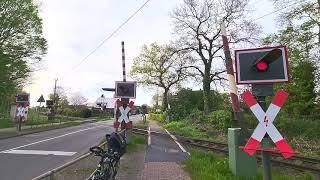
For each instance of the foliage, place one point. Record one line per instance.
(206, 165)
(304, 17)
(21, 43)
(301, 33)
(77, 99)
(187, 101)
(157, 117)
(85, 113)
(303, 69)
(161, 66)
(61, 98)
(197, 27)
(220, 119)
(185, 128)
(292, 126)
(77, 111)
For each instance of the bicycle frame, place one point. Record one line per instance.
(107, 167)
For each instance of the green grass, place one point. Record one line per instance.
(185, 129)
(104, 118)
(141, 125)
(203, 165)
(135, 142)
(5, 123)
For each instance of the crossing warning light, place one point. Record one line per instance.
(263, 62)
(261, 65)
(22, 97)
(125, 89)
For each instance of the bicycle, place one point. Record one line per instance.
(108, 165)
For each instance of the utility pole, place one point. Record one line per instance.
(55, 91)
(53, 110)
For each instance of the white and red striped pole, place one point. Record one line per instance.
(231, 79)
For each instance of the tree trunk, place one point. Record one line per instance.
(165, 99)
(206, 91)
(319, 24)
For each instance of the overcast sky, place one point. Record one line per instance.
(74, 28)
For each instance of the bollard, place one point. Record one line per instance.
(240, 163)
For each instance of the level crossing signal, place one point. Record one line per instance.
(22, 97)
(125, 89)
(261, 65)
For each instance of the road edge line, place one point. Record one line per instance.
(175, 140)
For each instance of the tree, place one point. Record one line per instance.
(21, 43)
(161, 66)
(302, 66)
(304, 15)
(61, 98)
(197, 27)
(78, 99)
(303, 19)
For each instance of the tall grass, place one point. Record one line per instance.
(203, 165)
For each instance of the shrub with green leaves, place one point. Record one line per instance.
(220, 119)
(157, 117)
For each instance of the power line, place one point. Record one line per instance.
(277, 10)
(112, 34)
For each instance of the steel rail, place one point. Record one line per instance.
(296, 162)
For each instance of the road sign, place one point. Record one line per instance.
(261, 65)
(266, 124)
(23, 97)
(21, 111)
(49, 103)
(124, 114)
(125, 89)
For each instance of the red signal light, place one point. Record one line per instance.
(262, 66)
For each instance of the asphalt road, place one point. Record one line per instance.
(28, 156)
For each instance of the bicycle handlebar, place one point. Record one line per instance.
(98, 151)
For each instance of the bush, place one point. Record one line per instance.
(197, 116)
(85, 113)
(157, 117)
(184, 128)
(298, 126)
(220, 119)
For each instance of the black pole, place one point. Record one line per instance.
(265, 154)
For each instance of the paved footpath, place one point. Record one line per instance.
(162, 158)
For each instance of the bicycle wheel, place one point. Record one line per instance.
(106, 172)
(115, 167)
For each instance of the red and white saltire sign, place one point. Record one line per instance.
(21, 111)
(266, 123)
(124, 114)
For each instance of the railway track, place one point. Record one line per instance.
(295, 162)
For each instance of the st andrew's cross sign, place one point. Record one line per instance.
(266, 124)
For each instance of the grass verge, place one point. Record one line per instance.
(141, 125)
(135, 141)
(203, 165)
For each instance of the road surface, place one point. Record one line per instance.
(28, 156)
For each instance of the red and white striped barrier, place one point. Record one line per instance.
(266, 123)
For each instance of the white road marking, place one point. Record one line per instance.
(149, 137)
(39, 152)
(45, 140)
(175, 140)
